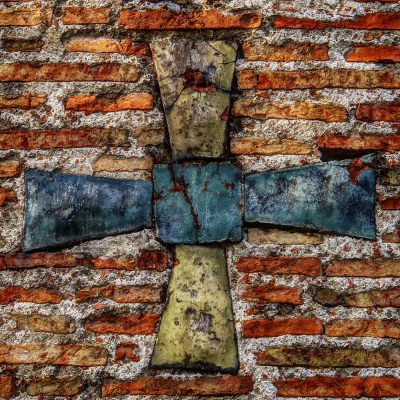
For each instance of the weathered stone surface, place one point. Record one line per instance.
(9, 169)
(247, 80)
(198, 203)
(363, 327)
(325, 357)
(38, 296)
(197, 330)
(277, 236)
(127, 351)
(83, 15)
(268, 147)
(13, 45)
(271, 294)
(149, 136)
(153, 260)
(337, 196)
(25, 17)
(62, 209)
(55, 387)
(367, 268)
(7, 387)
(44, 323)
(24, 101)
(195, 83)
(388, 177)
(389, 203)
(6, 196)
(364, 53)
(105, 45)
(389, 112)
(113, 164)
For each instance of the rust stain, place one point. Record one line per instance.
(197, 81)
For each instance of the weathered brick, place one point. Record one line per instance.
(182, 20)
(389, 203)
(247, 80)
(390, 176)
(343, 144)
(393, 237)
(55, 387)
(364, 53)
(39, 260)
(44, 323)
(64, 72)
(199, 386)
(142, 324)
(7, 387)
(367, 268)
(363, 327)
(25, 17)
(126, 47)
(83, 15)
(110, 103)
(10, 169)
(310, 266)
(113, 164)
(69, 354)
(300, 110)
(121, 294)
(287, 52)
(13, 45)
(63, 138)
(328, 78)
(277, 236)
(127, 351)
(153, 260)
(257, 328)
(128, 264)
(271, 294)
(6, 196)
(323, 386)
(38, 296)
(389, 112)
(268, 147)
(326, 357)
(24, 101)
(373, 298)
(149, 136)
(384, 21)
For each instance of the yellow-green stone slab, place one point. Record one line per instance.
(197, 329)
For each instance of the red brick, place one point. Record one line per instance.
(49, 386)
(111, 103)
(181, 20)
(128, 264)
(64, 72)
(300, 110)
(364, 53)
(142, 324)
(271, 294)
(384, 21)
(38, 296)
(257, 328)
(363, 328)
(10, 169)
(323, 386)
(25, 17)
(153, 260)
(125, 47)
(69, 354)
(122, 294)
(44, 323)
(389, 112)
(39, 260)
(268, 147)
(328, 78)
(285, 53)
(309, 266)
(13, 45)
(6, 196)
(126, 351)
(83, 15)
(62, 138)
(389, 203)
(247, 80)
(200, 386)
(7, 387)
(367, 268)
(24, 101)
(343, 144)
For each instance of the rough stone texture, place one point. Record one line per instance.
(127, 351)
(82, 15)
(198, 203)
(276, 236)
(363, 327)
(389, 203)
(197, 330)
(38, 296)
(55, 387)
(112, 164)
(25, 17)
(195, 83)
(62, 209)
(7, 196)
(268, 147)
(24, 102)
(13, 45)
(367, 268)
(389, 177)
(106, 45)
(363, 53)
(7, 387)
(272, 294)
(43, 323)
(149, 136)
(379, 112)
(10, 169)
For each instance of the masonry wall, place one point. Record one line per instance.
(315, 314)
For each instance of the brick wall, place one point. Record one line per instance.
(316, 315)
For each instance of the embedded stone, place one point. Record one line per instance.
(197, 330)
(62, 209)
(337, 196)
(195, 82)
(198, 203)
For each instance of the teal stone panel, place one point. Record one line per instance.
(198, 203)
(337, 196)
(63, 209)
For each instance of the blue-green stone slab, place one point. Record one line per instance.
(62, 209)
(337, 196)
(198, 203)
